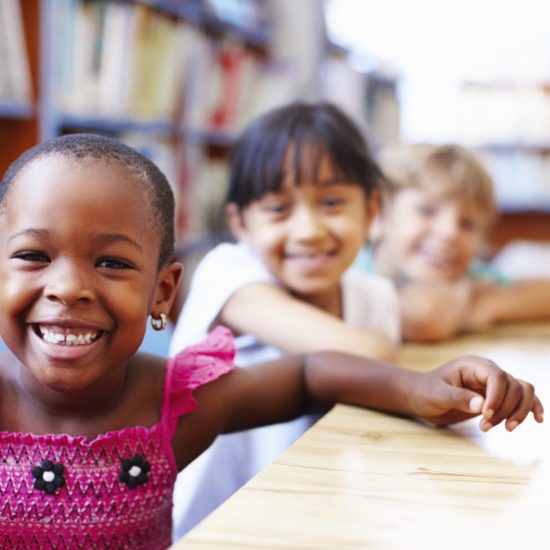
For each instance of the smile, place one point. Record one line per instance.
(314, 256)
(63, 336)
(311, 261)
(443, 261)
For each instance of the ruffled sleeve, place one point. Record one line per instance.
(191, 368)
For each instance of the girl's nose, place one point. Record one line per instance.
(68, 285)
(307, 223)
(448, 225)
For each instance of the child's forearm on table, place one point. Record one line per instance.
(519, 301)
(332, 377)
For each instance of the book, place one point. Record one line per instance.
(115, 66)
(15, 76)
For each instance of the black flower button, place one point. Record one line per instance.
(134, 472)
(49, 477)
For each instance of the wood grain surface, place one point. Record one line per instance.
(364, 479)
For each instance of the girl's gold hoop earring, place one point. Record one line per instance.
(160, 323)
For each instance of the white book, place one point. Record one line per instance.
(16, 80)
(4, 77)
(114, 66)
(62, 43)
(274, 84)
(199, 84)
(159, 68)
(81, 95)
(171, 68)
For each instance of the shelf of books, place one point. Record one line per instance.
(15, 78)
(177, 79)
(18, 56)
(509, 123)
(146, 60)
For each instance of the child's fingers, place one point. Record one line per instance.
(511, 400)
(496, 389)
(518, 416)
(520, 413)
(519, 400)
(529, 403)
(478, 385)
(538, 410)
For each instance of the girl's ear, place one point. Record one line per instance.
(374, 214)
(168, 281)
(375, 232)
(235, 221)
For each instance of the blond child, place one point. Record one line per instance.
(438, 208)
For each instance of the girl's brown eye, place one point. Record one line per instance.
(333, 201)
(31, 256)
(276, 208)
(113, 263)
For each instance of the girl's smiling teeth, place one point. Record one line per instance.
(310, 262)
(67, 336)
(310, 256)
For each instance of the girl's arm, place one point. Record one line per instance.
(434, 311)
(280, 390)
(525, 300)
(294, 326)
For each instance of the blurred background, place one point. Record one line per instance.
(178, 79)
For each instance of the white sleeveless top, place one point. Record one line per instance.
(369, 301)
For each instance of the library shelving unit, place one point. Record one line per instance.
(19, 49)
(509, 124)
(169, 77)
(120, 65)
(173, 78)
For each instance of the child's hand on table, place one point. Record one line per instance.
(468, 386)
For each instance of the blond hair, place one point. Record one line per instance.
(449, 170)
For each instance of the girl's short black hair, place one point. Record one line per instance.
(257, 160)
(93, 146)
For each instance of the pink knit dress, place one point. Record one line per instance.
(59, 491)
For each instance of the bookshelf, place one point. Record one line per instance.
(144, 63)
(175, 79)
(19, 78)
(509, 125)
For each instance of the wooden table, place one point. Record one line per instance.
(363, 479)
